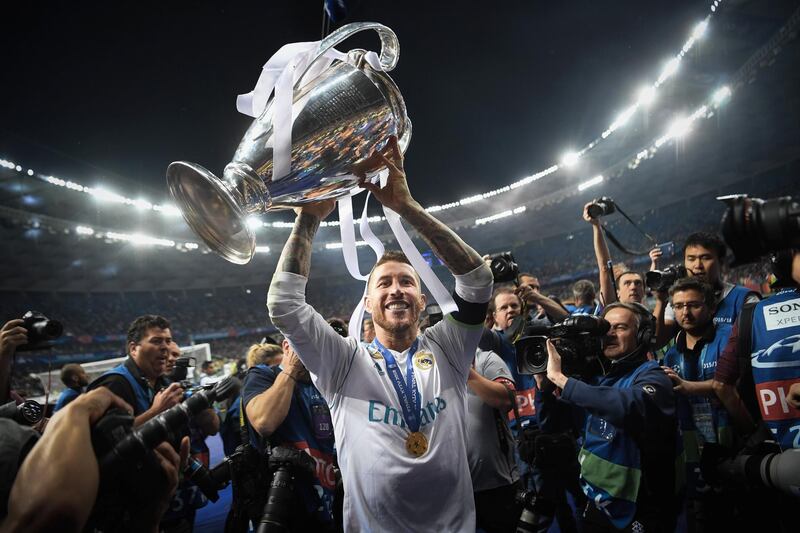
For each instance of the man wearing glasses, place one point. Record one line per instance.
(690, 364)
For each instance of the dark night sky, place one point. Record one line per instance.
(496, 91)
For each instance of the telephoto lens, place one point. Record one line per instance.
(166, 426)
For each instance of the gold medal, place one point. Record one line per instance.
(416, 444)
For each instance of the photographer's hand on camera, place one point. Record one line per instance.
(554, 373)
(64, 458)
(163, 400)
(655, 255)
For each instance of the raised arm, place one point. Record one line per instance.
(607, 293)
(296, 254)
(459, 257)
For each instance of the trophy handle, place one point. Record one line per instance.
(390, 46)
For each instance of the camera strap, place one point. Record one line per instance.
(744, 347)
(619, 245)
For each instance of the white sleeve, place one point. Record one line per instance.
(325, 353)
(457, 340)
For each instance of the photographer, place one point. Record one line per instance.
(761, 358)
(690, 364)
(704, 254)
(283, 408)
(629, 285)
(542, 310)
(74, 377)
(140, 380)
(58, 482)
(630, 437)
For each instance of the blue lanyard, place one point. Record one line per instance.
(406, 389)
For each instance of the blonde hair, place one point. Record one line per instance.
(263, 354)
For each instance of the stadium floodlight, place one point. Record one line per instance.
(590, 183)
(253, 222)
(338, 245)
(106, 196)
(700, 29)
(30, 172)
(262, 249)
(84, 230)
(721, 95)
(679, 128)
(191, 245)
(171, 210)
(570, 159)
(142, 204)
(647, 95)
(18, 168)
(671, 67)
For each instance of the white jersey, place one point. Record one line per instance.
(386, 488)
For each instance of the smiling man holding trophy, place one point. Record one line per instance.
(398, 403)
(328, 125)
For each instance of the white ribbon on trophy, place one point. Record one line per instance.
(280, 73)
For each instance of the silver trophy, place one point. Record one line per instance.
(339, 117)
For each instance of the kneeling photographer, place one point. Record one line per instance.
(630, 431)
(283, 409)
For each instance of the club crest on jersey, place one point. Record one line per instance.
(423, 360)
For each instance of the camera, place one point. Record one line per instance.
(578, 340)
(753, 227)
(662, 280)
(601, 207)
(762, 467)
(28, 413)
(41, 331)
(286, 464)
(504, 267)
(181, 370)
(126, 453)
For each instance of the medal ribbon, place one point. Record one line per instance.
(406, 389)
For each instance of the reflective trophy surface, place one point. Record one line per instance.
(340, 116)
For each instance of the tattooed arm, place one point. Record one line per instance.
(459, 257)
(296, 255)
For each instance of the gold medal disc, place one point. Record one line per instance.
(416, 444)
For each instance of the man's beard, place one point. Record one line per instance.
(393, 327)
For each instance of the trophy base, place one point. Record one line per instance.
(211, 211)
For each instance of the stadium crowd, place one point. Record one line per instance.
(608, 400)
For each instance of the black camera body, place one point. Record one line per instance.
(578, 339)
(662, 280)
(41, 331)
(286, 464)
(28, 413)
(126, 453)
(504, 267)
(753, 227)
(601, 207)
(181, 370)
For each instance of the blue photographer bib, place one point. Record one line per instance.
(775, 359)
